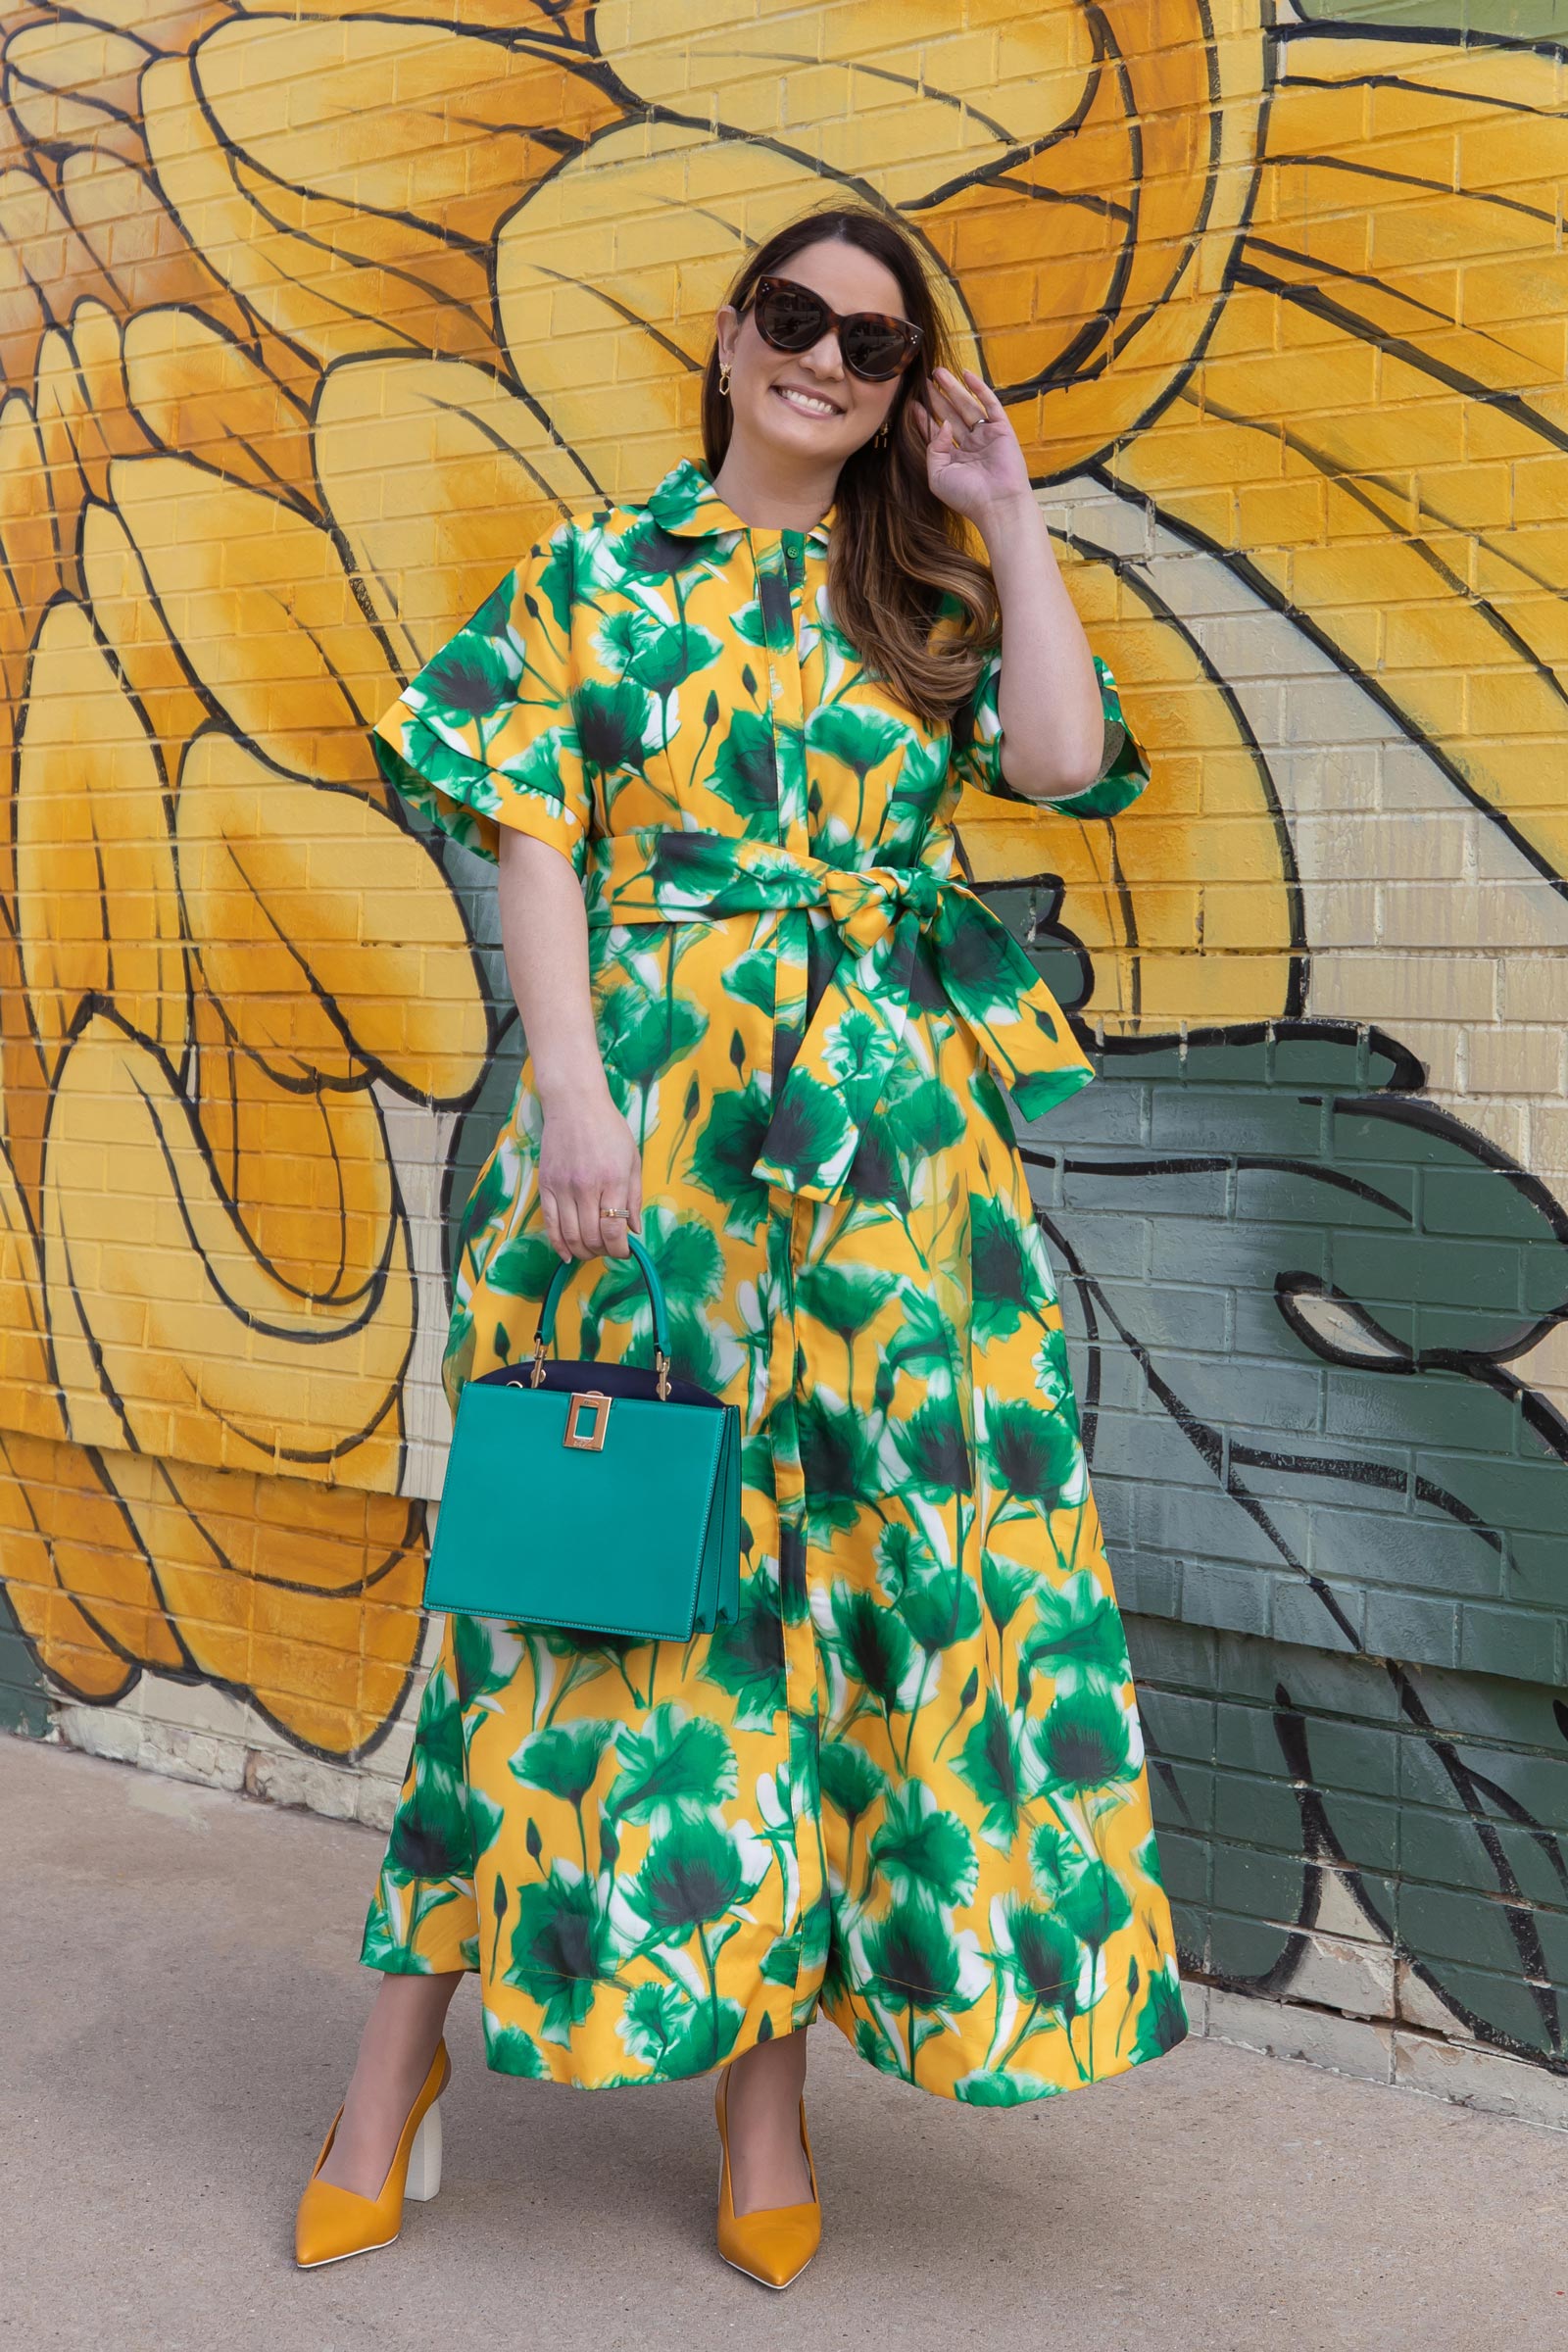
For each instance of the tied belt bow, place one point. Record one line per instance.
(837, 1078)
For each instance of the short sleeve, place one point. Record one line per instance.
(483, 736)
(977, 749)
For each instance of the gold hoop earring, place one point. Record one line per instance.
(723, 380)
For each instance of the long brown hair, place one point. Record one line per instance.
(895, 548)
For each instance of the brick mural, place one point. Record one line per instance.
(312, 318)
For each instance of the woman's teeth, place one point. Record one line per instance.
(805, 402)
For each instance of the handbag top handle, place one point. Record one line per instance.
(545, 1334)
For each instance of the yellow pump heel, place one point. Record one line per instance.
(772, 2246)
(332, 2223)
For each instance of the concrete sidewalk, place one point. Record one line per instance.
(182, 1999)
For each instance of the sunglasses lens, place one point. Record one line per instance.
(873, 350)
(790, 318)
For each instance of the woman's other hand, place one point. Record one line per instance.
(589, 1161)
(589, 1164)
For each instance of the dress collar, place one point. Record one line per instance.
(687, 506)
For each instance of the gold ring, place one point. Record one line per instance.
(618, 1214)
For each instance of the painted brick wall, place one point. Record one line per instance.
(311, 319)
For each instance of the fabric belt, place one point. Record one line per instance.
(837, 1077)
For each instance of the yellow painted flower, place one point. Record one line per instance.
(321, 372)
(218, 945)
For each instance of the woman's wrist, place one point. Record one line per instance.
(584, 1087)
(1010, 522)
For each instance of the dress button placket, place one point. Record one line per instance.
(789, 708)
(779, 557)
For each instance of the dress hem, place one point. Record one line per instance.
(1122, 2063)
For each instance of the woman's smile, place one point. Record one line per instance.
(810, 404)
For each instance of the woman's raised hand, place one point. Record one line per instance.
(973, 459)
(589, 1168)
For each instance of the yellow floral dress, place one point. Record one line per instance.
(908, 1783)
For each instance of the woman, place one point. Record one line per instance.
(716, 742)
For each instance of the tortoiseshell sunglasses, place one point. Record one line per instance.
(872, 344)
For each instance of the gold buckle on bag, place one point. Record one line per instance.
(597, 1403)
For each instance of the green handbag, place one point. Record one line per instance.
(602, 1499)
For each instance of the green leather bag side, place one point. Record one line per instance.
(598, 1498)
